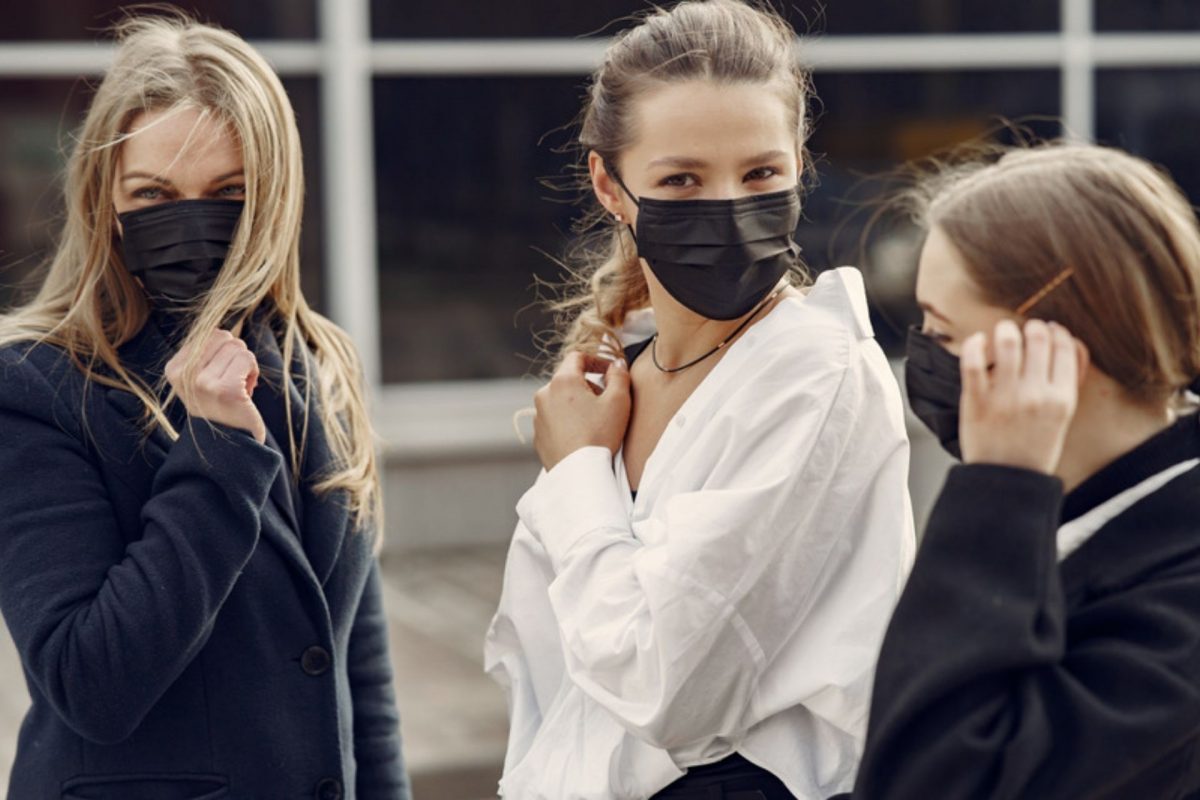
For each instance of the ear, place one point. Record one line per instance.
(610, 195)
(1084, 363)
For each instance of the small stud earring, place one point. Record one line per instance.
(620, 217)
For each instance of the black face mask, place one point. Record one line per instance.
(177, 249)
(933, 379)
(719, 258)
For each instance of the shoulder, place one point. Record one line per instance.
(819, 351)
(39, 380)
(825, 331)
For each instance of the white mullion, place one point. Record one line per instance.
(73, 59)
(1078, 71)
(351, 270)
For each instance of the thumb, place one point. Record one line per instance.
(616, 379)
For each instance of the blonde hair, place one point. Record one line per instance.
(725, 41)
(89, 305)
(1021, 217)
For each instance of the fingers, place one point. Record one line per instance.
(973, 362)
(572, 367)
(1039, 354)
(616, 379)
(242, 370)
(1007, 344)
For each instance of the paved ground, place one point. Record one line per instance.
(454, 717)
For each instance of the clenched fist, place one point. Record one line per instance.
(221, 388)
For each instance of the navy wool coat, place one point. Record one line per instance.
(192, 622)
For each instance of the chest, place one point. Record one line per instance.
(657, 398)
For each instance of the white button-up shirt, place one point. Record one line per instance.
(738, 605)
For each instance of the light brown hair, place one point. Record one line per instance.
(89, 304)
(1022, 216)
(725, 41)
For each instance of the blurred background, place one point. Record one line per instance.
(427, 126)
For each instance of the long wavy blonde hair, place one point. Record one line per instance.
(89, 305)
(725, 41)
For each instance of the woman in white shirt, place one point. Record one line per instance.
(700, 579)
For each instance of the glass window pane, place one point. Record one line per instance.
(463, 220)
(1147, 15)
(480, 18)
(86, 19)
(1154, 113)
(871, 123)
(36, 120)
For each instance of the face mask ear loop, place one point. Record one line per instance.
(617, 177)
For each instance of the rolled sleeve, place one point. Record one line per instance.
(578, 496)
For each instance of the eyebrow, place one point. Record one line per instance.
(929, 308)
(683, 162)
(164, 182)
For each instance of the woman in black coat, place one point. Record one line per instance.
(190, 497)
(1047, 644)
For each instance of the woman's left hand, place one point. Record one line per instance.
(571, 414)
(1017, 414)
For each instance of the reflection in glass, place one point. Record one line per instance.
(86, 19)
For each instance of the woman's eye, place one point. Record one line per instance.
(148, 193)
(937, 336)
(761, 174)
(683, 180)
(233, 190)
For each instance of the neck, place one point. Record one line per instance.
(683, 335)
(1106, 426)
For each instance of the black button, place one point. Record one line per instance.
(316, 661)
(329, 789)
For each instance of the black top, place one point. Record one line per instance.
(1004, 674)
(631, 353)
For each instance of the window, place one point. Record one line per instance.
(85, 19)
(1154, 113)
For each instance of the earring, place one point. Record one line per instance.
(619, 216)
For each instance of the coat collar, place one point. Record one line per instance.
(1158, 530)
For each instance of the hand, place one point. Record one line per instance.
(221, 389)
(571, 414)
(1018, 414)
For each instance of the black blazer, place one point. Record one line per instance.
(191, 622)
(1005, 674)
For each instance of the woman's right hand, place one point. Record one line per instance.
(1017, 414)
(222, 387)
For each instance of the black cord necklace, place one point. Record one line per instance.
(730, 337)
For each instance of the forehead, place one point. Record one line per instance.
(178, 142)
(942, 277)
(711, 121)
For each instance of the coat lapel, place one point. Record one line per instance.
(323, 518)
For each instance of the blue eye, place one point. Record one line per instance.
(233, 190)
(148, 193)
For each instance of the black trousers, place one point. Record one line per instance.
(733, 778)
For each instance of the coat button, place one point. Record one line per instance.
(316, 661)
(329, 789)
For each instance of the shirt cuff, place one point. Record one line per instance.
(578, 496)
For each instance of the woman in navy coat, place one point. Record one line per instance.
(190, 502)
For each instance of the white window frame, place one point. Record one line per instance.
(346, 60)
